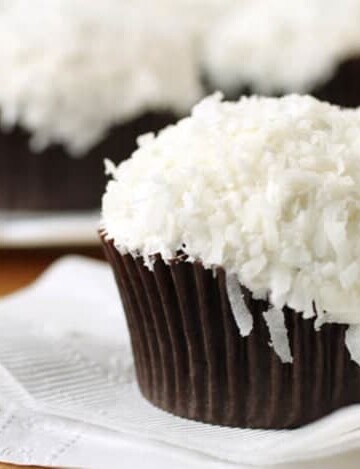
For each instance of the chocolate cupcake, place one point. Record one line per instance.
(276, 47)
(234, 240)
(80, 82)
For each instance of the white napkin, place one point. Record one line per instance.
(68, 395)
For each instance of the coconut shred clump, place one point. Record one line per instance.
(268, 189)
(71, 69)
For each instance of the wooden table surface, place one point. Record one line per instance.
(19, 268)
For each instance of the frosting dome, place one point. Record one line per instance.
(282, 46)
(267, 188)
(73, 68)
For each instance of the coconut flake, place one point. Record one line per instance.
(275, 321)
(352, 342)
(110, 168)
(242, 315)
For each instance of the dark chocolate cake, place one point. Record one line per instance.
(190, 360)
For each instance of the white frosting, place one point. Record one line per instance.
(73, 68)
(269, 189)
(282, 45)
(202, 14)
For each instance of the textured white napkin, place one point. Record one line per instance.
(68, 395)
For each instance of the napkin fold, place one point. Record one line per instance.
(68, 394)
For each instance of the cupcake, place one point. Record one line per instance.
(278, 47)
(81, 81)
(234, 239)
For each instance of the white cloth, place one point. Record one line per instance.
(68, 395)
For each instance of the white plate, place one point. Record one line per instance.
(68, 396)
(32, 230)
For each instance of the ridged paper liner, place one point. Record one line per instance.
(54, 180)
(341, 89)
(191, 360)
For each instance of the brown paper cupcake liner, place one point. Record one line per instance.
(191, 360)
(342, 89)
(53, 180)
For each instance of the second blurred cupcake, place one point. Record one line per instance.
(278, 47)
(80, 80)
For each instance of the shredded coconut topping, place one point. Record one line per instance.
(352, 342)
(275, 320)
(282, 46)
(241, 313)
(73, 68)
(267, 188)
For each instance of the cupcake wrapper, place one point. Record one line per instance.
(53, 180)
(191, 360)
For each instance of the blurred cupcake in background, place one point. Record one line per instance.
(80, 81)
(278, 47)
(201, 14)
